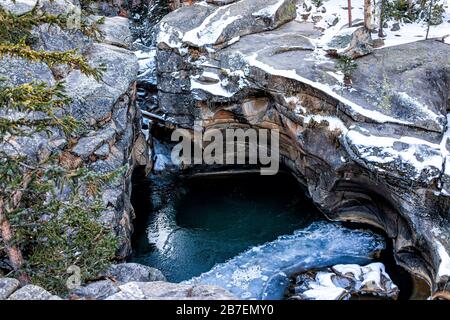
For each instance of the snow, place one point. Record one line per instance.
(371, 279)
(269, 11)
(339, 76)
(381, 150)
(444, 266)
(325, 293)
(167, 34)
(210, 75)
(263, 272)
(216, 89)
(210, 30)
(233, 40)
(147, 65)
(348, 269)
(409, 32)
(445, 137)
(292, 74)
(417, 106)
(334, 123)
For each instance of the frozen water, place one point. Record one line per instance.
(263, 272)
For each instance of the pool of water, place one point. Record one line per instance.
(247, 233)
(198, 223)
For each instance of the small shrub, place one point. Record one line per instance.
(317, 3)
(347, 66)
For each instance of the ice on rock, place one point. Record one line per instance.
(269, 11)
(147, 65)
(344, 280)
(263, 272)
(410, 157)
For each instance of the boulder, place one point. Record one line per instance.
(56, 7)
(115, 31)
(86, 146)
(353, 42)
(32, 292)
(17, 71)
(216, 25)
(18, 7)
(7, 287)
(128, 272)
(106, 107)
(53, 38)
(97, 290)
(166, 290)
(341, 282)
(93, 101)
(395, 27)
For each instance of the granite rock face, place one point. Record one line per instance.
(32, 292)
(97, 290)
(169, 291)
(7, 287)
(128, 272)
(107, 107)
(376, 152)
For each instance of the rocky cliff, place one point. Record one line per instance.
(111, 136)
(376, 152)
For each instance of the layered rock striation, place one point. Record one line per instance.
(375, 152)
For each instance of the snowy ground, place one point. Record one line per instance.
(337, 9)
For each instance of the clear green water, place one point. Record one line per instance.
(192, 226)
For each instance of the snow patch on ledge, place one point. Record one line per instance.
(269, 11)
(334, 123)
(167, 35)
(411, 156)
(444, 266)
(209, 31)
(215, 89)
(292, 74)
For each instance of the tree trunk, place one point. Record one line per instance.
(349, 4)
(13, 252)
(368, 14)
(380, 28)
(410, 6)
(429, 18)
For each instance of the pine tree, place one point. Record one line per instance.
(47, 212)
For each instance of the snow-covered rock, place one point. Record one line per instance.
(343, 281)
